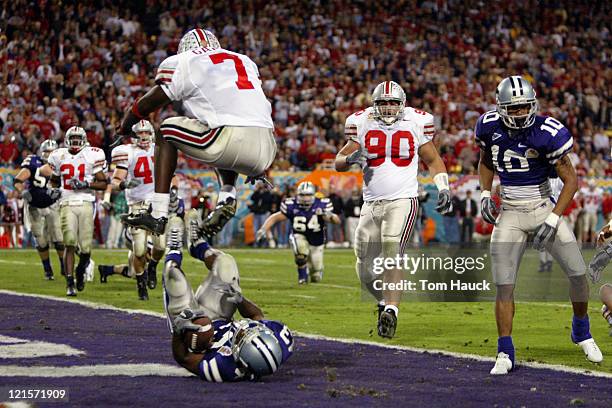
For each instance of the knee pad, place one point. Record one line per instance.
(226, 269)
(301, 260)
(59, 246)
(42, 249)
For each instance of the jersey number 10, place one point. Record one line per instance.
(376, 144)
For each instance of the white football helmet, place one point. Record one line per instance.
(144, 132)
(46, 148)
(389, 100)
(197, 38)
(75, 139)
(306, 194)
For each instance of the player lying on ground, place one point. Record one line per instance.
(41, 208)
(524, 149)
(237, 350)
(228, 124)
(308, 216)
(78, 169)
(387, 141)
(153, 252)
(597, 265)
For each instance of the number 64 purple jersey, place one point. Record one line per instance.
(524, 159)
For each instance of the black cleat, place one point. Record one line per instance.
(103, 274)
(216, 220)
(70, 286)
(387, 323)
(145, 221)
(141, 283)
(151, 275)
(80, 280)
(49, 275)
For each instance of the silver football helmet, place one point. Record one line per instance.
(144, 132)
(389, 100)
(256, 348)
(306, 194)
(75, 139)
(197, 38)
(516, 92)
(46, 148)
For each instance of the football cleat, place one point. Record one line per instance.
(89, 271)
(80, 280)
(104, 271)
(141, 283)
(144, 220)
(591, 351)
(49, 275)
(542, 267)
(152, 275)
(216, 220)
(503, 364)
(175, 239)
(387, 323)
(316, 277)
(70, 286)
(302, 281)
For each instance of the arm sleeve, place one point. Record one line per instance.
(120, 158)
(429, 129)
(169, 78)
(284, 207)
(559, 145)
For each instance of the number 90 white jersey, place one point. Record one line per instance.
(83, 166)
(138, 163)
(392, 152)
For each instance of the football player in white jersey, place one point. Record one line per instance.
(134, 164)
(78, 169)
(228, 124)
(592, 197)
(387, 140)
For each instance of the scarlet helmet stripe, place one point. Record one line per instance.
(201, 37)
(387, 87)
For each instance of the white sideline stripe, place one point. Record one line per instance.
(553, 367)
(303, 296)
(325, 285)
(100, 370)
(14, 347)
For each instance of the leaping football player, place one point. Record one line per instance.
(239, 350)
(386, 141)
(41, 206)
(524, 148)
(78, 169)
(228, 124)
(308, 215)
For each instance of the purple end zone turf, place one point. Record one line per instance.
(321, 373)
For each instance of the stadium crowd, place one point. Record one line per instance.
(84, 62)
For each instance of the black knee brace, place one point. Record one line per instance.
(59, 246)
(301, 260)
(42, 249)
(83, 261)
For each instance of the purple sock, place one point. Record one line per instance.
(504, 344)
(303, 273)
(581, 329)
(199, 250)
(175, 256)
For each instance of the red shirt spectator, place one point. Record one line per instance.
(8, 151)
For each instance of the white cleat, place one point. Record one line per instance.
(89, 271)
(503, 364)
(592, 352)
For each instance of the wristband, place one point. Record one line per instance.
(552, 219)
(485, 194)
(441, 180)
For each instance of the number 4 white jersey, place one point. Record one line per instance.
(392, 152)
(83, 166)
(217, 87)
(138, 163)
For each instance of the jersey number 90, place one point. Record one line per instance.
(376, 144)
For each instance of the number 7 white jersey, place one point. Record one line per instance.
(83, 166)
(138, 163)
(217, 87)
(392, 152)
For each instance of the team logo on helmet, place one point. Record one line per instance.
(389, 100)
(198, 38)
(75, 139)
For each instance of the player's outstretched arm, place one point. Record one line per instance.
(183, 357)
(153, 100)
(21, 177)
(269, 223)
(429, 155)
(250, 310)
(347, 156)
(567, 173)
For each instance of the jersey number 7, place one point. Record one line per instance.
(243, 79)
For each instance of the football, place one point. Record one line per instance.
(605, 235)
(199, 341)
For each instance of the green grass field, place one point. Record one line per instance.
(335, 307)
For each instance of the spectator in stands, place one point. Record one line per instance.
(467, 211)
(335, 232)
(8, 151)
(261, 203)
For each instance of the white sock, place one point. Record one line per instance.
(392, 307)
(226, 191)
(160, 202)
